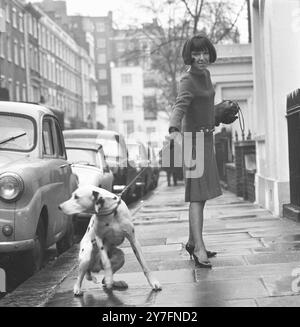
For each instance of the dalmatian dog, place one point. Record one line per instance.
(109, 225)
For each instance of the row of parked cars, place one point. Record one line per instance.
(40, 167)
(105, 159)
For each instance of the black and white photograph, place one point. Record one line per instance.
(149, 156)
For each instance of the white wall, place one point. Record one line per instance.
(276, 49)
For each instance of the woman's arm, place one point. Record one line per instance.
(183, 101)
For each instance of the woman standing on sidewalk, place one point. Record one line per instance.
(194, 107)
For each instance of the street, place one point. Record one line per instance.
(258, 260)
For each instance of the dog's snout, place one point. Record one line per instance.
(59, 207)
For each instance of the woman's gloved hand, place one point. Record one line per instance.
(226, 112)
(175, 135)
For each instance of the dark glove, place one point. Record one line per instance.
(226, 112)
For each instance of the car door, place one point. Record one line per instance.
(53, 178)
(64, 168)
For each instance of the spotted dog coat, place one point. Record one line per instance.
(108, 227)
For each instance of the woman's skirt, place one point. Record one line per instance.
(201, 174)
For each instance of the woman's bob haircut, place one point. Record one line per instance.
(198, 43)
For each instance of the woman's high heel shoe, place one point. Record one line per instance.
(202, 264)
(190, 249)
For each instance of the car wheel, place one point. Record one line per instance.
(34, 258)
(67, 240)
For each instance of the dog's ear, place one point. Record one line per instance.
(95, 195)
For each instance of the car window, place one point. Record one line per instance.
(83, 156)
(60, 147)
(16, 133)
(48, 144)
(110, 147)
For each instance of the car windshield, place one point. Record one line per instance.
(83, 156)
(16, 133)
(110, 148)
(109, 142)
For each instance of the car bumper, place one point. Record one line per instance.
(15, 246)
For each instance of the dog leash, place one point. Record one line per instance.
(241, 118)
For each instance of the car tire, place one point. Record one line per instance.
(67, 240)
(33, 259)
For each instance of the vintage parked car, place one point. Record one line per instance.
(138, 154)
(116, 155)
(89, 164)
(34, 179)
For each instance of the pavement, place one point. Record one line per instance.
(258, 260)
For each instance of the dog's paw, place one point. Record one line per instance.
(155, 284)
(77, 291)
(107, 283)
(120, 284)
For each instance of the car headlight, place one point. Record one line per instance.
(11, 186)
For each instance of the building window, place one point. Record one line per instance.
(43, 35)
(16, 52)
(36, 59)
(2, 45)
(102, 74)
(8, 42)
(7, 12)
(103, 90)
(128, 126)
(47, 39)
(127, 103)
(126, 78)
(21, 22)
(24, 95)
(150, 130)
(31, 59)
(17, 91)
(10, 89)
(120, 46)
(30, 24)
(100, 27)
(101, 58)
(14, 18)
(101, 43)
(34, 27)
(22, 56)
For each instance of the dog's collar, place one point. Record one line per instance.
(113, 211)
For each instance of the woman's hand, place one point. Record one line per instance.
(176, 136)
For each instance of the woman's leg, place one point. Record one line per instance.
(196, 229)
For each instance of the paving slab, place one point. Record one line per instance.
(173, 295)
(245, 272)
(280, 301)
(137, 279)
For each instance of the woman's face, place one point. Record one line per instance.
(200, 59)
